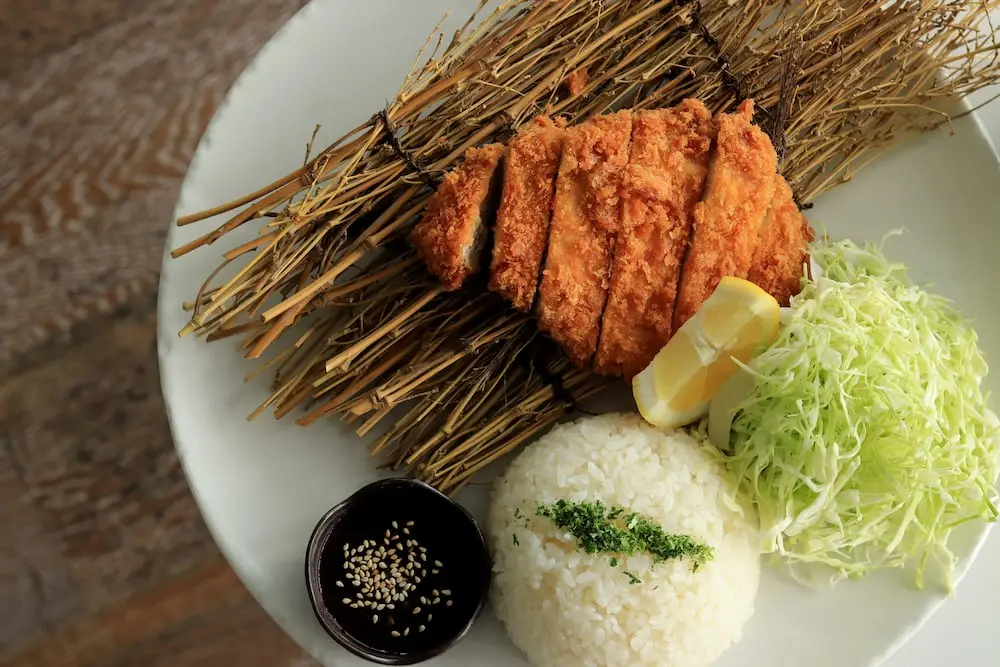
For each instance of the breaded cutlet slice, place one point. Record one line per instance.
(522, 227)
(782, 246)
(727, 220)
(586, 215)
(453, 231)
(668, 163)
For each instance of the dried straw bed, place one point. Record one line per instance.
(455, 378)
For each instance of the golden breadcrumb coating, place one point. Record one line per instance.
(782, 246)
(633, 218)
(668, 163)
(522, 228)
(727, 220)
(585, 221)
(454, 227)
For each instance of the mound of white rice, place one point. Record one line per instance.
(566, 608)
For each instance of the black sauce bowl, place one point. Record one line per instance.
(450, 536)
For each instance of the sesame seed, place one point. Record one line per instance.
(346, 600)
(406, 531)
(448, 603)
(374, 618)
(435, 592)
(340, 584)
(390, 606)
(429, 617)
(438, 563)
(394, 633)
(446, 592)
(423, 556)
(435, 571)
(423, 550)
(421, 628)
(416, 610)
(406, 632)
(423, 573)
(395, 525)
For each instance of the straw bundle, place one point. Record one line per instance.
(456, 380)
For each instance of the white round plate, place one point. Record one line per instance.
(263, 485)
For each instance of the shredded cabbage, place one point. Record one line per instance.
(865, 439)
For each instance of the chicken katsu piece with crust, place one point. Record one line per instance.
(453, 232)
(522, 227)
(633, 219)
(782, 246)
(727, 220)
(584, 229)
(668, 163)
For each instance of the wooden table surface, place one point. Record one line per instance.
(104, 559)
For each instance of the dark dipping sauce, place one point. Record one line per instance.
(403, 530)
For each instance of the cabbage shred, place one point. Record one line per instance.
(866, 440)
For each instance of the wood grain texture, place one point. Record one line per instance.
(30, 29)
(104, 559)
(95, 140)
(88, 436)
(178, 623)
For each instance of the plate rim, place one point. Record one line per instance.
(162, 350)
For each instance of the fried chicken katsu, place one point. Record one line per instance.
(522, 227)
(668, 163)
(633, 219)
(584, 228)
(453, 232)
(727, 220)
(782, 246)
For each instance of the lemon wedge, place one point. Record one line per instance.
(677, 386)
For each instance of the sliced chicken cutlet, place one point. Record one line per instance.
(453, 232)
(522, 227)
(668, 163)
(585, 221)
(727, 220)
(782, 246)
